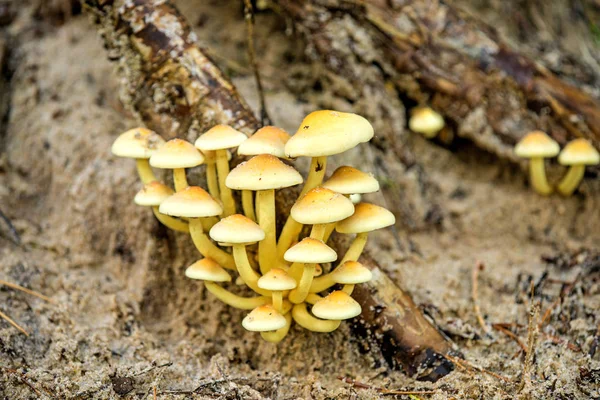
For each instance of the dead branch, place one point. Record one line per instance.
(177, 91)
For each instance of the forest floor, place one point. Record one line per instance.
(126, 323)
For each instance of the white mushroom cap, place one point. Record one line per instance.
(366, 218)
(152, 194)
(310, 251)
(207, 270)
(326, 132)
(348, 180)
(263, 319)
(176, 153)
(137, 143)
(262, 172)
(426, 122)
(579, 152)
(236, 229)
(336, 306)
(191, 202)
(537, 144)
(276, 280)
(220, 137)
(321, 206)
(267, 140)
(351, 273)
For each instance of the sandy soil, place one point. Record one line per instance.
(125, 320)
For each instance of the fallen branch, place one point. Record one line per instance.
(158, 59)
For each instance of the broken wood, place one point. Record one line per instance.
(176, 90)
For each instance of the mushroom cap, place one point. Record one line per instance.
(267, 140)
(263, 319)
(425, 121)
(262, 172)
(336, 306)
(351, 273)
(349, 180)
(310, 251)
(326, 132)
(152, 194)
(176, 153)
(321, 206)
(537, 144)
(191, 202)
(137, 143)
(220, 137)
(366, 218)
(276, 280)
(579, 152)
(207, 269)
(236, 229)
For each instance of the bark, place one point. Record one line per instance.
(434, 53)
(176, 90)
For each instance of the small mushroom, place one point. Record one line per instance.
(425, 121)
(267, 140)
(305, 255)
(239, 231)
(264, 318)
(366, 218)
(152, 195)
(177, 154)
(349, 274)
(536, 146)
(336, 306)
(220, 138)
(211, 272)
(307, 321)
(321, 134)
(576, 154)
(264, 173)
(320, 207)
(139, 143)
(196, 204)
(277, 281)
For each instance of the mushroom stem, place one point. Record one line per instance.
(211, 175)
(278, 301)
(328, 231)
(289, 233)
(243, 303)
(318, 231)
(144, 171)
(208, 248)
(356, 248)
(307, 321)
(13, 323)
(321, 283)
(248, 275)
(295, 271)
(299, 294)
(315, 174)
(226, 195)
(278, 335)
(571, 180)
(265, 200)
(208, 223)
(179, 179)
(537, 176)
(170, 222)
(312, 298)
(248, 204)
(348, 289)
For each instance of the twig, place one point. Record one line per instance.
(360, 385)
(465, 364)
(565, 291)
(11, 228)
(532, 335)
(13, 323)
(25, 290)
(249, 16)
(23, 379)
(511, 335)
(474, 293)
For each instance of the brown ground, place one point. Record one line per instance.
(126, 319)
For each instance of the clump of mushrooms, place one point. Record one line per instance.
(288, 281)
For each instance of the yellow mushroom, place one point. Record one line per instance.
(307, 321)
(425, 121)
(140, 144)
(218, 139)
(263, 319)
(536, 146)
(177, 154)
(263, 174)
(336, 306)
(152, 195)
(576, 154)
(321, 134)
(277, 281)
(349, 274)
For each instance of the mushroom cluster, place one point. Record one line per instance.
(537, 146)
(285, 271)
